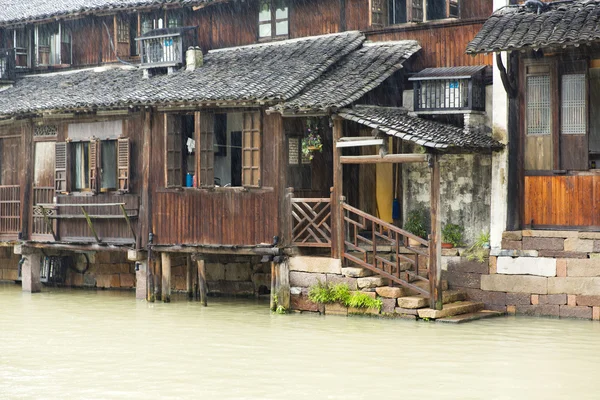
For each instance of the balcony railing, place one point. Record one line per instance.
(166, 47)
(7, 64)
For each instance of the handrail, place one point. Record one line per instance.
(79, 205)
(311, 222)
(387, 225)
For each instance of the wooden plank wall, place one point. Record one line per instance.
(221, 216)
(443, 45)
(562, 200)
(86, 37)
(357, 15)
(314, 17)
(475, 9)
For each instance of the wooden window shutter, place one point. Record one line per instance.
(60, 167)
(123, 164)
(414, 11)
(378, 13)
(94, 165)
(251, 149)
(174, 151)
(206, 125)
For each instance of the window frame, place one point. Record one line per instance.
(58, 58)
(381, 14)
(273, 21)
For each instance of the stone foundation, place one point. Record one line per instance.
(9, 264)
(538, 273)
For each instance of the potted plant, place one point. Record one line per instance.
(311, 142)
(452, 236)
(415, 224)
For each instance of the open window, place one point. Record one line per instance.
(391, 12)
(180, 148)
(273, 19)
(230, 149)
(95, 159)
(22, 45)
(53, 44)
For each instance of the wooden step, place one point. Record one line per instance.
(448, 296)
(474, 316)
(452, 309)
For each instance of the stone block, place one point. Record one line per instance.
(561, 267)
(405, 311)
(512, 235)
(511, 310)
(513, 253)
(546, 310)
(516, 284)
(261, 279)
(574, 285)
(302, 303)
(587, 267)
(214, 272)
(89, 280)
(549, 234)
(493, 267)
(306, 279)
(512, 244)
(535, 299)
(556, 299)
(461, 264)
(178, 283)
(356, 272)
(523, 299)
(589, 235)
(596, 246)
(449, 252)
(448, 260)
(582, 312)
(335, 309)
(338, 279)
(496, 307)
(390, 292)
(238, 272)
(449, 310)
(294, 290)
(588, 301)
(319, 265)
(372, 295)
(372, 282)
(460, 279)
(231, 288)
(363, 311)
(76, 280)
(596, 313)
(543, 243)
(11, 274)
(412, 302)
(487, 298)
(561, 254)
(571, 300)
(104, 281)
(579, 245)
(388, 306)
(526, 266)
(102, 257)
(127, 280)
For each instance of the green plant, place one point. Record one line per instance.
(324, 293)
(311, 141)
(452, 233)
(478, 250)
(362, 300)
(320, 293)
(416, 223)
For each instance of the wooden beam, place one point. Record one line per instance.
(145, 220)
(360, 142)
(26, 180)
(216, 249)
(390, 158)
(166, 277)
(188, 277)
(337, 212)
(91, 225)
(202, 282)
(435, 242)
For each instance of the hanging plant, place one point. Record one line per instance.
(311, 142)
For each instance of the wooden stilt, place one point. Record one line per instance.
(166, 277)
(202, 288)
(435, 241)
(283, 285)
(150, 282)
(273, 297)
(157, 277)
(188, 278)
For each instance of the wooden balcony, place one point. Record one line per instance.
(7, 64)
(162, 48)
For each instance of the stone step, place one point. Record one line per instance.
(448, 296)
(452, 309)
(356, 272)
(424, 285)
(474, 316)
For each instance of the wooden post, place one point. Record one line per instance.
(273, 297)
(166, 277)
(202, 281)
(435, 241)
(26, 180)
(336, 206)
(145, 212)
(156, 278)
(188, 278)
(280, 285)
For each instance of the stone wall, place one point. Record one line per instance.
(465, 191)
(107, 270)
(9, 264)
(240, 278)
(540, 273)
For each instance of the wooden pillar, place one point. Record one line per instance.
(337, 211)
(166, 277)
(280, 285)
(30, 272)
(188, 278)
(202, 281)
(157, 274)
(145, 212)
(273, 296)
(26, 179)
(435, 241)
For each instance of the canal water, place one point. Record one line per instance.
(75, 344)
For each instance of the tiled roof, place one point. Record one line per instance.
(462, 72)
(19, 11)
(398, 122)
(558, 24)
(357, 74)
(260, 73)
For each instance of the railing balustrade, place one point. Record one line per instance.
(10, 209)
(311, 222)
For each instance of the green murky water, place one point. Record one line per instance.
(73, 344)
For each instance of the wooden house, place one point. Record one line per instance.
(161, 129)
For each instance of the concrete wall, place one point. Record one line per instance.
(465, 191)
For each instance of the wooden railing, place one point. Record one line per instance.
(10, 209)
(166, 47)
(42, 195)
(311, 222)
(384, 249)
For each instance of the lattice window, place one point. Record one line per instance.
(378, 13)
(573, 104)
(45, 130)
(123, 30)
(206, 152)
(538, 105)
(251, 149)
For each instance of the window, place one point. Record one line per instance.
(230, 149)
(273, 19)
(180, 150)
(123, 34)
(21, 41)
(53, 44)
(556, 122)
(175, 19)
(151, 21)
(96, 159)
(390, 12)
(299, 165)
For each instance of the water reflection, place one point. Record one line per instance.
(74, 344)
